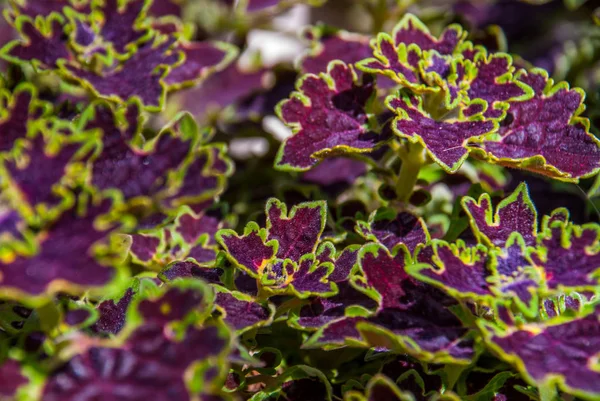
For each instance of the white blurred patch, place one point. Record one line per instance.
(247, 148)
(273, 48)
(293, 19)
(276, 127)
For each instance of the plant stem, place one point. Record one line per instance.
(413, 158)
(547, 392)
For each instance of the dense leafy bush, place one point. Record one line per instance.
(198, 203)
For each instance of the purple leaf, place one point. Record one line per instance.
(494, 83)
(515, 213)
(43, 47)
(328, 46)
(36, 180)
(190, 269)
(121, 26)
(304, 278)
(321, 311)
(338, 170)
(250, 251)
(133, 172)
(569, 256)
(11, 378)
(48, 269)
(327, 116)
(298, 232)
(410, 30)
(144, 247)
(222, 89)
(545, 134)
(446, 141)
(390, 229)
(201, 58)
(561, 353)
(424, 328)
(153, 361)
(20, 110)
(242, 312)
(140, 76)
(112, 315)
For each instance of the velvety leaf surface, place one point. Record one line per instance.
(515, 213)
(140, 76)
(411, 30)
(446, 141)
(390, 229)
(20, 110)
(150, 364)
(191, 269)
(570, 256)
(249, 251)
(547, 125)
(120, 25)
(561, 353)
(298, 232)
(72, 233)
(327, 115)
(11, 378)
(410, 311)
(494, 84)
(112, 315)
(242, 312)
(44, 169)
(41, 47)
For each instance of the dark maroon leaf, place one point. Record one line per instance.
(242, 312)
(327, 115)
(140, 76)
(446, 141)
(11, 378)
(569, 256)
(390, 229)
(43, 169)
(298, 232)
(40, 47)
(121, 25)
(201, 58)
(152, 362)
(21, 109)
(48, 269)
(334, 171)
(560, 353)
(328, 46)
(515, 213)
(191, 269)
(545, 134)
(112, 315)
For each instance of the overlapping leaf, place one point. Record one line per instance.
(411, 316)
(546, 133)
(152, 362)
(282, 255)
(559, 353)
(47, 270)
(328, 116)
(515, 213)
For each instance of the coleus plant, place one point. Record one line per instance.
(410, 231)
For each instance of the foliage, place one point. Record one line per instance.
(406, 211)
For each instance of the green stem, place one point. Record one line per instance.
(413, 158)
(547, 392)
